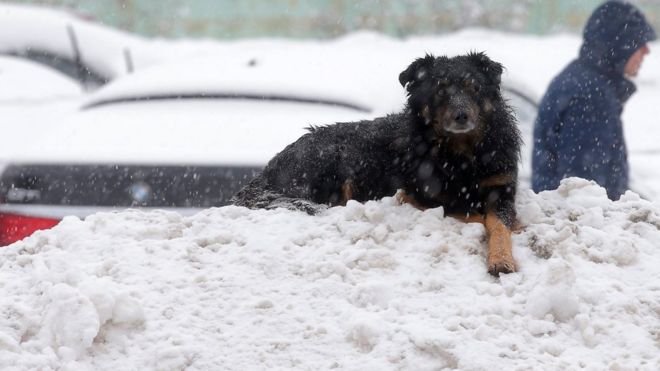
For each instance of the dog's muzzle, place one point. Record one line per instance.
(460, 123)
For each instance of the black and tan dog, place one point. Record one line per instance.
(456, 145)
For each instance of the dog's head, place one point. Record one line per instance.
(454, 95)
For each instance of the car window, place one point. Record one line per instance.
(82, 73)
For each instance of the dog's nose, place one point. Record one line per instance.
(461, 117)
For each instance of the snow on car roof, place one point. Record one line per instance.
(278, 77)
(361, 67)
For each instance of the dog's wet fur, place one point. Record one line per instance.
(455, 145)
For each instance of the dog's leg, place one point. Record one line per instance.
(478, 218)
(500, 257)
(499, 192)
(347, 190)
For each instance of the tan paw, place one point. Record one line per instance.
(502, 265)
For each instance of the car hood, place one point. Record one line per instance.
(237, 132)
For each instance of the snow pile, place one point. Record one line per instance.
(368, 286)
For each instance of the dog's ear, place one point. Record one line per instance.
(417, 71)
(490, 68)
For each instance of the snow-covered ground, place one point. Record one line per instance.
(377, 286)
(373, 286)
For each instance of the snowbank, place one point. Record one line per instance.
(370, 286)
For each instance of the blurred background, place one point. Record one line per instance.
(229, 19)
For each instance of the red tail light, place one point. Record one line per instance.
(16, 227)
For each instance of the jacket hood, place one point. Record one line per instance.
(615, 30)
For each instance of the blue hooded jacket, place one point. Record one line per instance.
(578, 131)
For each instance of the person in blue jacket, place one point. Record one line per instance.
(578, 131)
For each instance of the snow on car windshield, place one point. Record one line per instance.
(22, 80)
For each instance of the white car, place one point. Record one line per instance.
(83, 50)
(86, 51)
(173, 136)
(31, 95)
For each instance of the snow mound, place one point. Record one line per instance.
(368, 286)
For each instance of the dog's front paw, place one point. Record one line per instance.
(501, 265)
